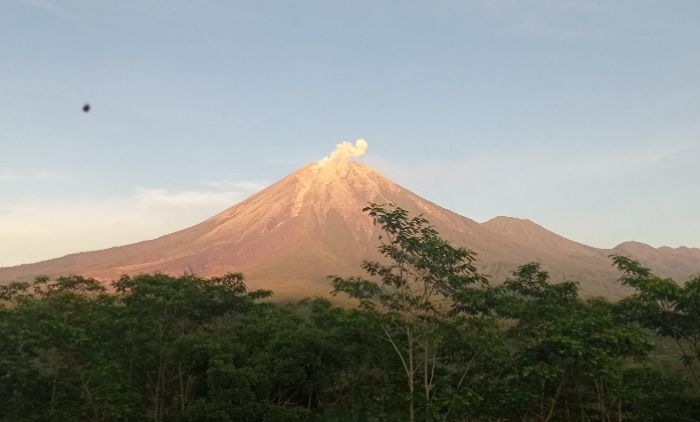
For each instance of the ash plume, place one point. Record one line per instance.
(345, 150)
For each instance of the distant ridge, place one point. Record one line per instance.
(678, 263)
(291, 235)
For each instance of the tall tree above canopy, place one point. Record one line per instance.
(418, 293)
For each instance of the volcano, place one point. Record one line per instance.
(290, 236)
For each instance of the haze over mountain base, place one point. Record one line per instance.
(290, 236)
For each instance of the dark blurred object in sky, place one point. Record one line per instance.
(86, 107)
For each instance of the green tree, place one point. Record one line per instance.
(69, 350)
(570, 353)
(417, 299)
(672, 311)
(57, 359)
(160, 319)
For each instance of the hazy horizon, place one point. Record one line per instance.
(578, 115)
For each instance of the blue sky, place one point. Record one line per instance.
(583, 116)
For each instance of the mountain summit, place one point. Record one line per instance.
(291, 235)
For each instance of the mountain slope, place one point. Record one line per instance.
(563, 258)
(291, 235)
(677, 263)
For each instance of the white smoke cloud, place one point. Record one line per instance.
(345, 150)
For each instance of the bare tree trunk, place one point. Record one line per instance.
(426, 387)
(553, 406)
(600, 393)
(182, 388)
(160, 386)
(411, 372)
(619, 410)
(407, 363)
(53, 396)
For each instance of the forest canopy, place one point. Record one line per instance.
(431, 339)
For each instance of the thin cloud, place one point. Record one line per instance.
(146, 196)
(238, 185)
(37, 231)
(224, 193)
(23, 176)
(55, 8)
(538, 166)
(585, 196)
